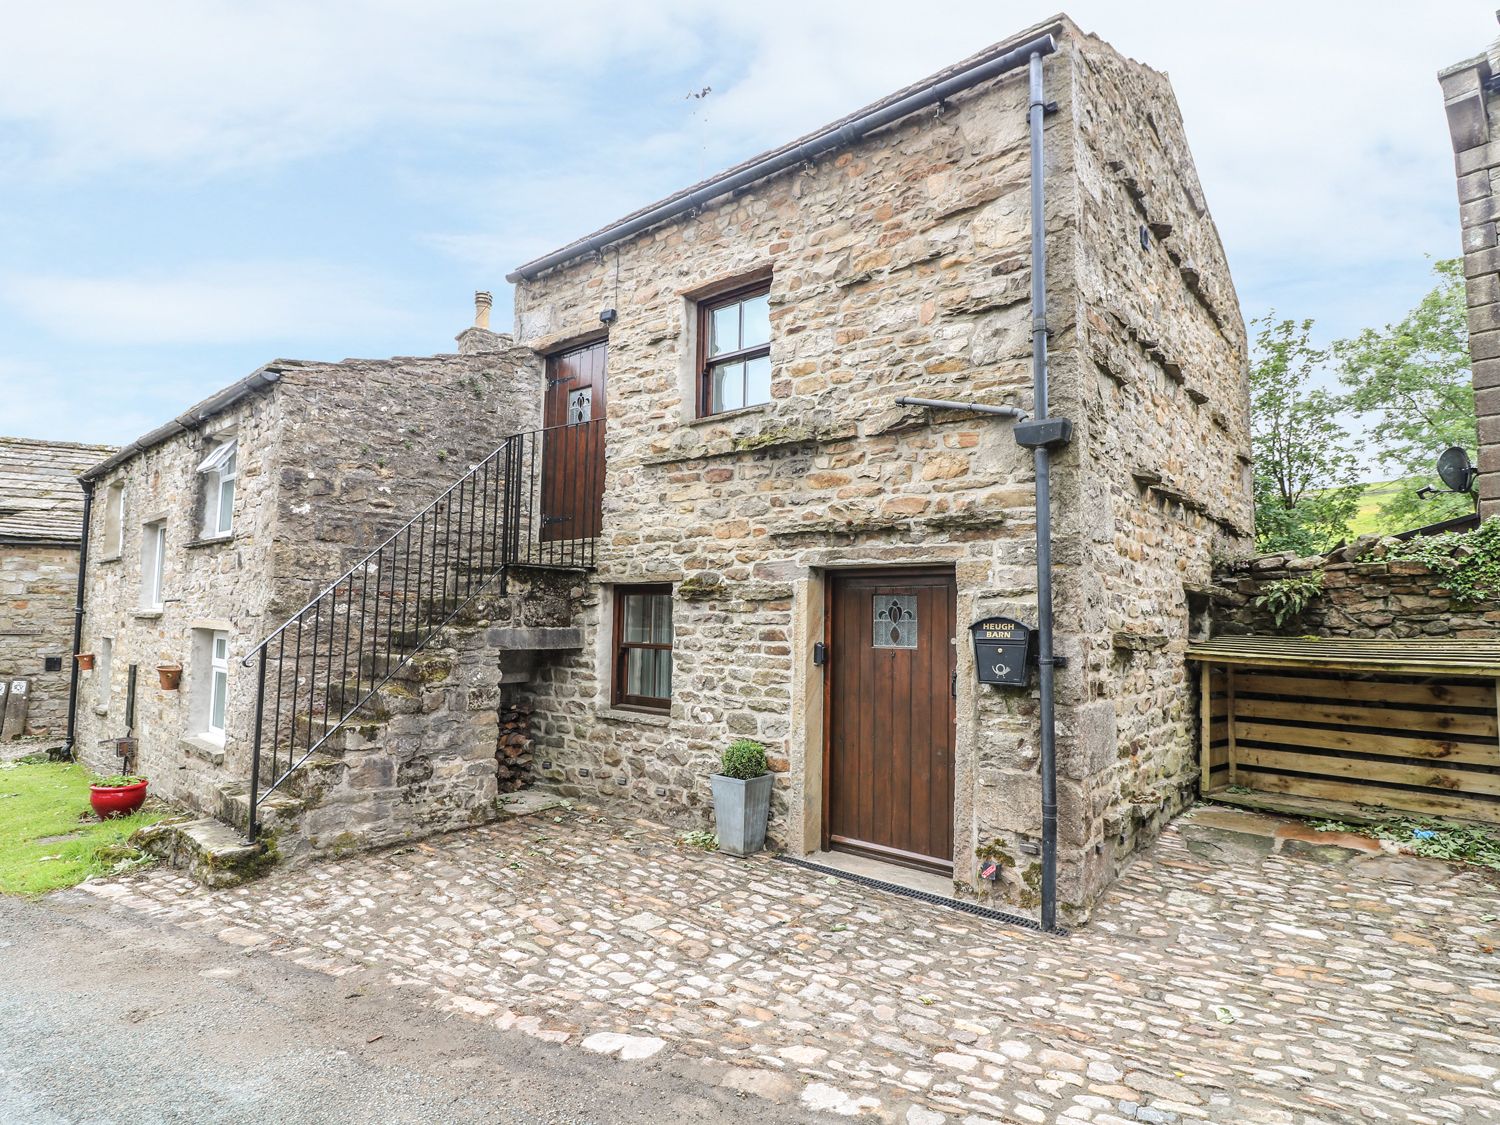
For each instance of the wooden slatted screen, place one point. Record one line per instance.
(1421, 744)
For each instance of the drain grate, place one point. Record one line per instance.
(923, 896)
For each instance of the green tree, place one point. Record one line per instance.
(1413, 378)
(1306, 489)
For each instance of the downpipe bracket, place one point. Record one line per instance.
(1044, 433)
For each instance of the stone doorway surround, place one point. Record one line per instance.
(810, 608)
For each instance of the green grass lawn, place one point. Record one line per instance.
(49, 837)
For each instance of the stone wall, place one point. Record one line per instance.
(37, 588)
(332, 457)
(1365, 594)
(900, 267)
(1472, 109)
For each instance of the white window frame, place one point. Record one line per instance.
(103, 662)
(153, 564)
(114, 520)
(220, 470)
(218, 684)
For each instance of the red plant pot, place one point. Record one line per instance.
(117, 800)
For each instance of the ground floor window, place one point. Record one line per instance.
(219, 684)
(643, 647)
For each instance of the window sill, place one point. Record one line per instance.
(109, 558)
(730, 415)
(201, 746)
(633, 715)
(147, 614)
(208, 541)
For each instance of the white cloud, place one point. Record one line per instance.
(207, 304)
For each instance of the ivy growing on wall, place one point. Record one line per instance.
(1467, 561)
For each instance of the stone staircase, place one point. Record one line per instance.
(427, 753)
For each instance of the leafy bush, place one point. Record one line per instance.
(745, 759)
(1468, 562)
(1286, 598)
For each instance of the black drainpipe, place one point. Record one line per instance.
(1041, 434)
(83, 562)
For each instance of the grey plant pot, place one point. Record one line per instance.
(741, 809)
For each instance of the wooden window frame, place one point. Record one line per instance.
(706, 307)
(619, 697)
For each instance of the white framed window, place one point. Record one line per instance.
(218, 686)
(219, 470)
(103, 659)
(153, 563)
(114, 521)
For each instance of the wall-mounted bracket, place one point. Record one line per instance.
(1051, 433)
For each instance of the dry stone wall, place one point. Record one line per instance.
(900, 267)
(1365, 594)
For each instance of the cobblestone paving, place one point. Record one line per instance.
(1221, 981)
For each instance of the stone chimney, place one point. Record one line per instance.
(479, 338)
(1469, 96)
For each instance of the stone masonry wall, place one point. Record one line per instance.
(37, 586)
(331, 459)
(897, 267)
(1471, 109)
(1364, 594)
(1163, 428)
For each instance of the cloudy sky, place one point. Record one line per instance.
(189, 188)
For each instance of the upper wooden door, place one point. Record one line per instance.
(888, 778)
(573, 445)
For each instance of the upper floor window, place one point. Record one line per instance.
(153, 563)
(734, 349)
(114, 520)
(219, 472)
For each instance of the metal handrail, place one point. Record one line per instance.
(534, 501)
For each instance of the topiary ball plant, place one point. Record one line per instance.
(745, 759)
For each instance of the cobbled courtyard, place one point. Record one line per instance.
(1230, 976)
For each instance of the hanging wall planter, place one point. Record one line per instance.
(170, 675)
(85, 661)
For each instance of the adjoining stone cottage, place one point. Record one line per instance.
(766, 502)
(214, 528)
(41, 528)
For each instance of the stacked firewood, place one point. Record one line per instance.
(513, 752)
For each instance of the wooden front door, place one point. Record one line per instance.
(888, 776)
(573, 445)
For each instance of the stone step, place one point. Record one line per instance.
(278, 809)
(212, 852)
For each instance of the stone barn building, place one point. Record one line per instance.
(747, 534)
(41, 526)
(788, 554)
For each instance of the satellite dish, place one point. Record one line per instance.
(1454, 469)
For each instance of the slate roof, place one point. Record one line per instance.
(40, 500)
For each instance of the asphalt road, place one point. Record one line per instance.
(108, 1018)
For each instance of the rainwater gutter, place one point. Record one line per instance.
(834, 137)
(1041, 435)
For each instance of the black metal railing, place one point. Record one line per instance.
(534, 501)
